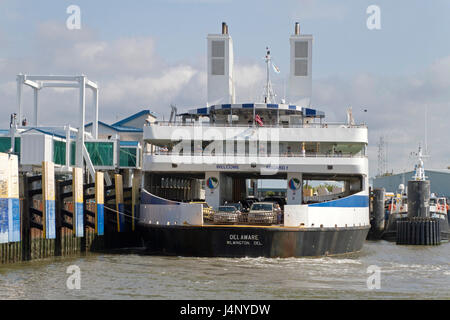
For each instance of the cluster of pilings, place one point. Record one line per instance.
(418, 227)
(418, 231)
(62, 216)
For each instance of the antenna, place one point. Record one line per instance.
(350, 120)
(173, 113)
(382, 156)
(419, 172)
(426, 125)
(269, 94)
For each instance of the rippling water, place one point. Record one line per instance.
(406, 273)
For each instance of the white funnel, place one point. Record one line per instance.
(300, 77)
(220, 68)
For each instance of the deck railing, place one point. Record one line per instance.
(250, 125)
(282, 155)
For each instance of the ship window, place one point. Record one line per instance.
(218, 49)
(301, 67)
(218, 67)
(301, 49)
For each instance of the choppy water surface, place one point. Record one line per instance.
(406, 273)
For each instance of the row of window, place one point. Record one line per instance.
(101, 153)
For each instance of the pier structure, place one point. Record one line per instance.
(92, 146)
(44, 215)
(77, 185)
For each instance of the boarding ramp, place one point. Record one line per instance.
(322, 198)
(159, 211)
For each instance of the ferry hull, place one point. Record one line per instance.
(251, 241)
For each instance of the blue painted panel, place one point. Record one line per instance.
(79, 228)
(129, 143)
(10, 219)
(202, 111)
(310, 112)
(132, 117)
(50, 228)
(292, 107)
(4, 224)
(272, 106)
(226, 106)
(248, 105)
(355, 201)
(100, 219)
(14, 222)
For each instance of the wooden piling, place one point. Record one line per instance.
(102, 229)
(119, 202)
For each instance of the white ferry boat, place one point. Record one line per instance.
(226, 146)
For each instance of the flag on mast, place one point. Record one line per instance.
(258, 120)
(275, 68)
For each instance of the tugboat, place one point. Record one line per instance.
(417, 217)
(222, 146)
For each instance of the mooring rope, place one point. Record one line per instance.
(126, 215)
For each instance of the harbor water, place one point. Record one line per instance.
(406, 272)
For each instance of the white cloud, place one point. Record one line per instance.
(397, 109)
(132, 75)
(156, 92)
(249, 82)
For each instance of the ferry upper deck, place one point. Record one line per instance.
(218, 137)
(224, 144)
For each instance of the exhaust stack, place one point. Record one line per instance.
(300, 77)
(297, 29)
(224, 28)
(220, 68)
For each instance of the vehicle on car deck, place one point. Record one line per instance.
(264, 213)
(226, 215)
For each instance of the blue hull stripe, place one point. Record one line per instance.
(355, 201)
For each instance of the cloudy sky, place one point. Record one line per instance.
(149, 54)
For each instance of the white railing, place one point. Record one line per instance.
(250, 125)
(282, 155)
